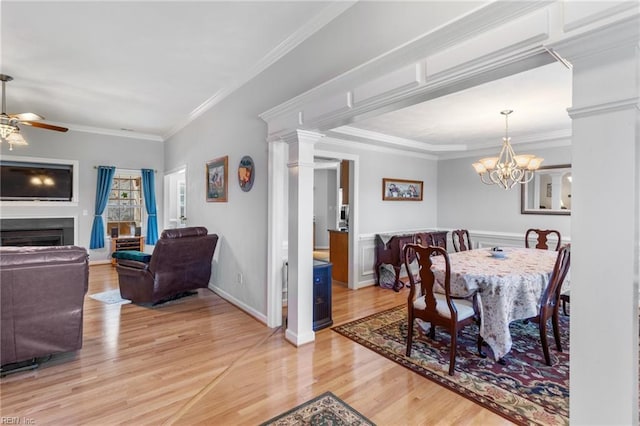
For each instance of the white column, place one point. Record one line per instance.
(556, 191)
(536, 191)
(604, 225)
(277, 233)
(300, 289)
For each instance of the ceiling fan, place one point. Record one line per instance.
(9, 130)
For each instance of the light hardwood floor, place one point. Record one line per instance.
(200, 360)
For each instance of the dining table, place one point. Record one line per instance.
(508, 287)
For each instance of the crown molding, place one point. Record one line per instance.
(394, 140)
(451, 33)
(456, 70)
(576, 16)
(109, 132)
(545, 140)
(550, 136)
(329, 13)
(322, 165)
(509, 37)
(540, 140)
(346, 143)
(299, 135)
(614, 33)
(605, 108)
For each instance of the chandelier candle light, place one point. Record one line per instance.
(507, 169)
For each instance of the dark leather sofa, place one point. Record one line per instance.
(180, 262)
(42, 292)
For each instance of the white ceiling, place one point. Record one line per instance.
(139, 66)
(149, 70)
(471, 119)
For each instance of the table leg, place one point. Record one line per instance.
(480, 343)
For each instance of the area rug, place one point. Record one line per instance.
(326, 409)
(525, 390)
(111, 297)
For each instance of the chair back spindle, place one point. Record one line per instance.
(461, 240)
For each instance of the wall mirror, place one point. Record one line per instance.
(549, 192)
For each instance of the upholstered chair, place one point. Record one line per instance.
(180, 262)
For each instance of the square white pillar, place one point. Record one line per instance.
(300, 238)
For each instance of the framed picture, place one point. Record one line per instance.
(246, 173)
(401, 190)
(217, 179)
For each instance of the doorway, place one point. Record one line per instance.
(342, 216)
(325, 204)
(175, 199)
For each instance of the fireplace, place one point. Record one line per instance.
(48, 231)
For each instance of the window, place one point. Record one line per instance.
(125, 206)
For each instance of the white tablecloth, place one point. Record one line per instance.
(508, 289)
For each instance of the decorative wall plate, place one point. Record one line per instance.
(246, 173)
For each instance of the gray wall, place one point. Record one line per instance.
(378, 216)
(89, 150)
(465, 202)
(233, 128)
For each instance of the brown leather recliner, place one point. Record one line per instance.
(180, 262)
(42, 292)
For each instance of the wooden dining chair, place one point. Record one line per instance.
(550, 301)
(461, 240)
(565, 298)
(435, 308)
(542, 236)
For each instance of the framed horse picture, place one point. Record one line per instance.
(217, 172)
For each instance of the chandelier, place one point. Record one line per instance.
(9, 130)
(507, 169)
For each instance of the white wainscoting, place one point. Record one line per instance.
(479, 239)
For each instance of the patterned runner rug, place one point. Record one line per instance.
(326, 409)
(525, 390)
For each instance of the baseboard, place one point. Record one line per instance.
(239, 304)
(99, 262)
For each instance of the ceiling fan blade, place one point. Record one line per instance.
(45, 126)
(27, 116)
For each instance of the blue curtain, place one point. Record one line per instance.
(148, 188)
(105, 179)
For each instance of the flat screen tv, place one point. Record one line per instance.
(27, 181)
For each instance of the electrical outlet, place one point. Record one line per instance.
(240, 278)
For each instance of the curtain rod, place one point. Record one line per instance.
(126, 170)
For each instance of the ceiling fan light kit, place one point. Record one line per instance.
(507, 169)
(9, 130)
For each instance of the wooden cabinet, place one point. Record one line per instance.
(126, 243)
(339, 254)
(321, 295)
(389, 250)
